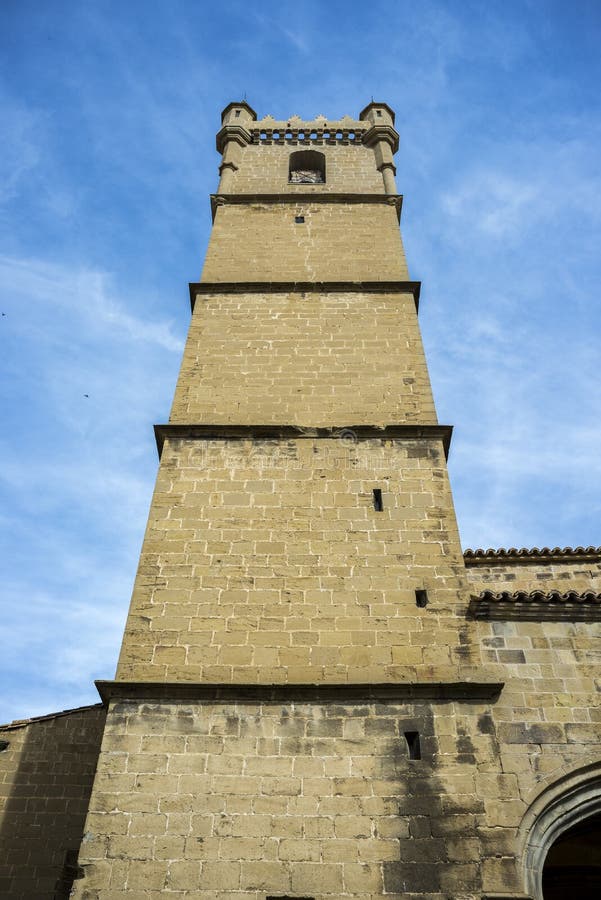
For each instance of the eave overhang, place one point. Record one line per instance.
(512, 555)
(301, 287)
(423, 691)
(537, 606)
(305, 196)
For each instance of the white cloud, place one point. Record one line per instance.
(524, 185)
(492, 202)
(84, 293)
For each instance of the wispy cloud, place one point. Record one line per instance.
(108, 159)
(50, 289)
(85, 375)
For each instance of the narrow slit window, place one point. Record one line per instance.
(421, 599)
(378, 502)
(413, 744)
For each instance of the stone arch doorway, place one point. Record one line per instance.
(572, 866)
(561, 836)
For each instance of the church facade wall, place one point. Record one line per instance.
(254, 799)
(46, 775)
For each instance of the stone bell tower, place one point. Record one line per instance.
(296, 677)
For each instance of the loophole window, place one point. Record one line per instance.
(421, 599)
(413, 744)
(307, 167)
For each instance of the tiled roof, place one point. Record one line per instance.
(537, 605)
(545, 553)
(20, 723)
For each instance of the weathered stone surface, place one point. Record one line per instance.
(347, 821)
(46, 776)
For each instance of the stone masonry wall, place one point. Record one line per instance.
(310, 359)
(336, 242)
(263, 168)
(222, 801)
(46, 776)
(266, 561)
(232, 799)
(548, 718)
(548, 722)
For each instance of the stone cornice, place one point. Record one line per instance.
(236, 133)
(410, 692)
(349, 434)
(300, 287)
(537, 606)
(379, 133)
(305, 196)
(544, 555)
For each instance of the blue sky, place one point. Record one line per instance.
(109, 112)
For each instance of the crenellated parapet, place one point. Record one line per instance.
(308, 132)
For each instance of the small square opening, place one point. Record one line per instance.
(299, 220)
(421, 599)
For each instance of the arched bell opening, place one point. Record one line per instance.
(572, 866)
(307, 167)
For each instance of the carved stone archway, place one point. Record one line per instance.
(572, 799)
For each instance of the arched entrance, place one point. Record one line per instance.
(573, 864)
(561, 836)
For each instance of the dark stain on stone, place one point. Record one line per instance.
(486, 724)
(466, 752)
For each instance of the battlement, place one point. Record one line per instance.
(308, 132)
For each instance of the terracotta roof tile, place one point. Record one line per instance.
(544, 553)
(537, 605)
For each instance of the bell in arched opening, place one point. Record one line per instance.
(307, 167)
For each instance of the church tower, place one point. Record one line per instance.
(297, 625)
(319, 696)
